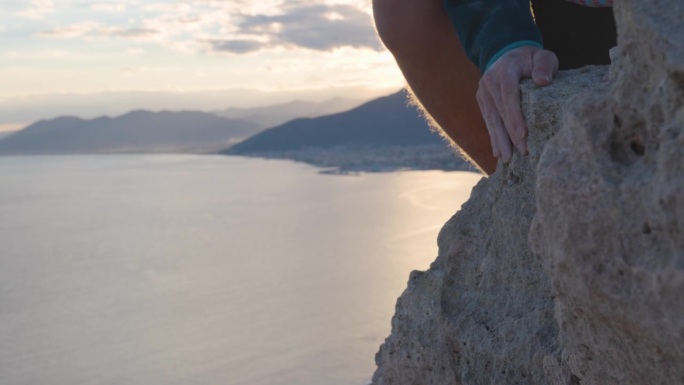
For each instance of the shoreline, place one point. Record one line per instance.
(358, 159)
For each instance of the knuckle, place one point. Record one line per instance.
(484, 80)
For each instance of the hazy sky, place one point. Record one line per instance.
(87, 58)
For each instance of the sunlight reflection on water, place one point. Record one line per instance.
(203, 270)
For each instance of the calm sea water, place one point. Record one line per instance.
(205, 269)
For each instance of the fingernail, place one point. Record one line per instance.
(543, 80)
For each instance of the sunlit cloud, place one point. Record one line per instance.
(93, 30)
(38, 55)
(37, 9)
(71, 31)
(108, 7)
(316, 27)
(236, 26)
(166, 7)
(133, 71)
(135, 51)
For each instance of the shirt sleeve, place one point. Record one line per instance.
(489, 28)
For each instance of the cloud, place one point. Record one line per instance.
(108, 7)
(91, 29)
(37, 9)
(71, 31)
(40, 55)
(236, 26)
(131, 32)
(236, 46)
(135, 51)
(316, 27)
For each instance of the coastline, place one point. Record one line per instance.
(353, 159)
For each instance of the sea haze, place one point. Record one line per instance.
(180, 269)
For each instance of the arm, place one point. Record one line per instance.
(500, 37)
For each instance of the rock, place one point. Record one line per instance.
(566, 267)
(484, 312)
(610, 200)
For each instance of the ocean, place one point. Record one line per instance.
(182, 269)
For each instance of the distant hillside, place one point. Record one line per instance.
(5, 134)
(386, 121)
(277, 114)
(137, 131)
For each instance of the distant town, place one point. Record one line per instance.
(357, 159)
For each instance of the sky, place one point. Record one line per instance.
(89, 58)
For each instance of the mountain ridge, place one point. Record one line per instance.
(387, 120)
(138, 131)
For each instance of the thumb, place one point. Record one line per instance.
(544, 65)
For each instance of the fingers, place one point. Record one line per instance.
(498, 136)
(499, 96)
(485, 109)
(502, 140)
(544, 65)
(513, 118)
(500, 85)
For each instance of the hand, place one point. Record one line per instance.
(499, 96)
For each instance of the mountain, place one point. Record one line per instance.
(135, 132)
(386, 121)
(5, 134)
(270, 116)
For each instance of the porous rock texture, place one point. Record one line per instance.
(566, 267)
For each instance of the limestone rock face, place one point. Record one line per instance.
(566, 267)
(610, 219)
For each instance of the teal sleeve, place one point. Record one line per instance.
(489, 28)
(509, 47)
